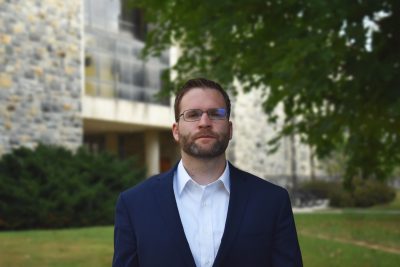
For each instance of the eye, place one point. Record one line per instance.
(217, 113)
(193, 114)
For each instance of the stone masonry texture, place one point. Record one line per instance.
(40, 73)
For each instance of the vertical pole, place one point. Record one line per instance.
(152, 146)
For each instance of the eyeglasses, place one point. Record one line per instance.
(196, 114)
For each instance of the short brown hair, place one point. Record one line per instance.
(200, 83)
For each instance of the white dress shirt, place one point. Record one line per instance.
(203, 210)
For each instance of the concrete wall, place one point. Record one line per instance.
(40, 73)
(132, 112)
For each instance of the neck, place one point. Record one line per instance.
(204, 171)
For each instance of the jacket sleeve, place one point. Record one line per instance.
(286, 249)
(125, 247)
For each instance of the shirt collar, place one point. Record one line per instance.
(183, 178)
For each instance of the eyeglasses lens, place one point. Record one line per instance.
(213, 114)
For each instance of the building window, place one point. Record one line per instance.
(94, 143)
(114, 35)
(132, 20)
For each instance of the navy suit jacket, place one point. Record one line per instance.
(259, 229)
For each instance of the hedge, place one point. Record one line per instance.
(366, 193)
(52, 187)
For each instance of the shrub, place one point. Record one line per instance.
(341, 198)
(366, 193)
(319, 188)
(372, 192)
(51, 187)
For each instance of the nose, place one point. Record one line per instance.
(204, 120)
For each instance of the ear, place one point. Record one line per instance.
(230, 130)
(175, 131)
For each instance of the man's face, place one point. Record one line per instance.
(204, 138)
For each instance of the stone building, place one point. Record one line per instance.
(40, 73)
(70, 75)
(119, 108)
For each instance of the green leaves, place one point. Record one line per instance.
(52, 187)
(310, 56)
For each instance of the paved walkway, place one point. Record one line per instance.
(324, 205)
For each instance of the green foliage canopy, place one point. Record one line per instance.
(337, 79)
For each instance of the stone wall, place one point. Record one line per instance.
(40, 73)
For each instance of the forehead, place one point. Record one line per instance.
(202, 98)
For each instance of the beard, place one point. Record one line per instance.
(188, 144)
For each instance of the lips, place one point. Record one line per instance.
(204, 135)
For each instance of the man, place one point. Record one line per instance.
(204, 211)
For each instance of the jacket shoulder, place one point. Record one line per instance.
(147, 185)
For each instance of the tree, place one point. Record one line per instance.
(334, 65)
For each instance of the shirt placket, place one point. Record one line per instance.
(206, 230)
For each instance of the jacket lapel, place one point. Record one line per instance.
(166, 200)
(237, 205)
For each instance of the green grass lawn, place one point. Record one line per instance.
(375, 228)
(328, 253)
(349, 238)
(338, 238)
(84, 247)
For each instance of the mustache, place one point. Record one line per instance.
(205, 133)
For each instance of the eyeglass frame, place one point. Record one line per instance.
(202, 112)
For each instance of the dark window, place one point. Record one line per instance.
(94, 143)
(132, 20)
